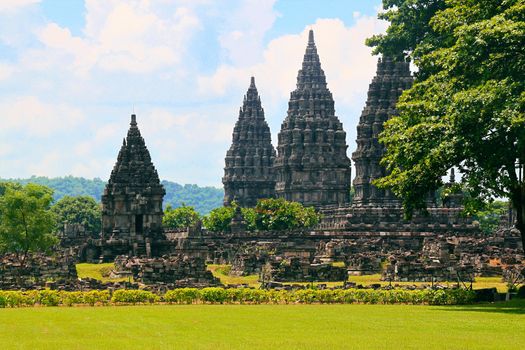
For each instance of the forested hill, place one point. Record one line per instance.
(203, 199)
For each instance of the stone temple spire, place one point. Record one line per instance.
(312, 166)
(132, 199)
(384, 91)
(248, 172)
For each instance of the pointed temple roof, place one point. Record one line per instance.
(134, 168)
(312, 165)
(248, 173)
(391, 79)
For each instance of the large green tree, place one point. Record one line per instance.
(466, 108)
(83, 210)
(26, 220)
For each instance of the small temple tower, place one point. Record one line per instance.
(132, 200)
(312, 166)
(248, 173)
(384, 91)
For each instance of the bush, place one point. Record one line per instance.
(179, 218)
(182, 296)
(48, 298)
(268, 214)
(214, 295)
(238, 295)
(134, 297)
(219, 219)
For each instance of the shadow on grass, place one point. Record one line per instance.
(516, 306)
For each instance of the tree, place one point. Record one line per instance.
(181, 217)
(466, 108)
(219, 219)
(26, 221)
(268, 214)
(83, 210)
(489, 217)
(279, 214)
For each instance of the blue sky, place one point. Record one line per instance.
(72, 71)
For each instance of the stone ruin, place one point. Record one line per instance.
(131, 206)
(295, 269)
(38, 271)
(384, 91)
(368, 236)
(132, 202)
(311, 165)
(248, 172)
(175, 271)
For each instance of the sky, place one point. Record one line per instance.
(73, 71)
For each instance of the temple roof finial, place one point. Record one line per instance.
(133, 120)
(452, 178)
(252, 82)
(311, 37)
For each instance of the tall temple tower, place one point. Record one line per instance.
(132, 200)
(312, 166)
(384, 91)
(248, 173)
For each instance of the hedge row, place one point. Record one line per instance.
(237, 296)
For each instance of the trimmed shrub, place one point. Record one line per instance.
(125, 296)
(182, 296)
(238, 296)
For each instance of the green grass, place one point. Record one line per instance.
(96, 271)
(480, 282)
(496, 326)
(221, 272)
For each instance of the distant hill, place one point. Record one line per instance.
(204, 199)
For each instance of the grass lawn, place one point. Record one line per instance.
(96, 271)
(496, 326)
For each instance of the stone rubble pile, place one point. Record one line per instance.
(37, 270)
(295, 269)
(176, 270)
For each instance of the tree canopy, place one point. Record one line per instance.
(268, 214)
(26, 220)
(181, 217)
(83, 210)
(466, 108)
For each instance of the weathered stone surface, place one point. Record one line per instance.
(384, 91)
(248, 172)
(37, 270)
(178, 270)
(311, 165)
(132, 201)
(295, 269)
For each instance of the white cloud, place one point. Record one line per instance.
(345, 59)
(5, 149)
(47, 165)
(247, 25)
(15, 5)
(92, 167)
(5, 70)
(120, 36)
(29, 115)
